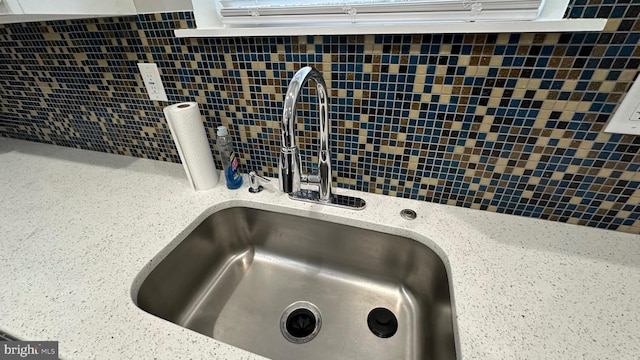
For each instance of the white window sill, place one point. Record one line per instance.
(562, 25)
(550, 19)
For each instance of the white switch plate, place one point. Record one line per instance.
(626, 119)
(152, 81)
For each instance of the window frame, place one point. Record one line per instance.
(209, 24)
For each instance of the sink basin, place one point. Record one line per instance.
(289, 287)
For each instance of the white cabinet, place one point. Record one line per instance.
(12, 11)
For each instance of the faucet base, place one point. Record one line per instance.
(343, 201)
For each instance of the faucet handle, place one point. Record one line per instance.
(254, 182)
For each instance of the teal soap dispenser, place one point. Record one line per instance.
(230, 165)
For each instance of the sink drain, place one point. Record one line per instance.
(300, 322)
(382, 322)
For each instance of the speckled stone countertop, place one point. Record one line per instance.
(77, 227)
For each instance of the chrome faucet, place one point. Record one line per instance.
(289, 165)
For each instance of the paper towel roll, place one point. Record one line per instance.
(185, 123)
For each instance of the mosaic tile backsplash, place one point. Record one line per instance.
(510, 123)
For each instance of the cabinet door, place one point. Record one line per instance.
(78, 7)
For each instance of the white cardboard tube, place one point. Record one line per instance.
(187, 129)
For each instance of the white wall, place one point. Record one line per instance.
(153, 6)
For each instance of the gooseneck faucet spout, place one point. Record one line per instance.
(291, 176)
(290, 165)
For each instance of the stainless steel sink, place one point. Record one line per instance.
(243, 273)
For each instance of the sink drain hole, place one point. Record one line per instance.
(382, 322)
(300, 322)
